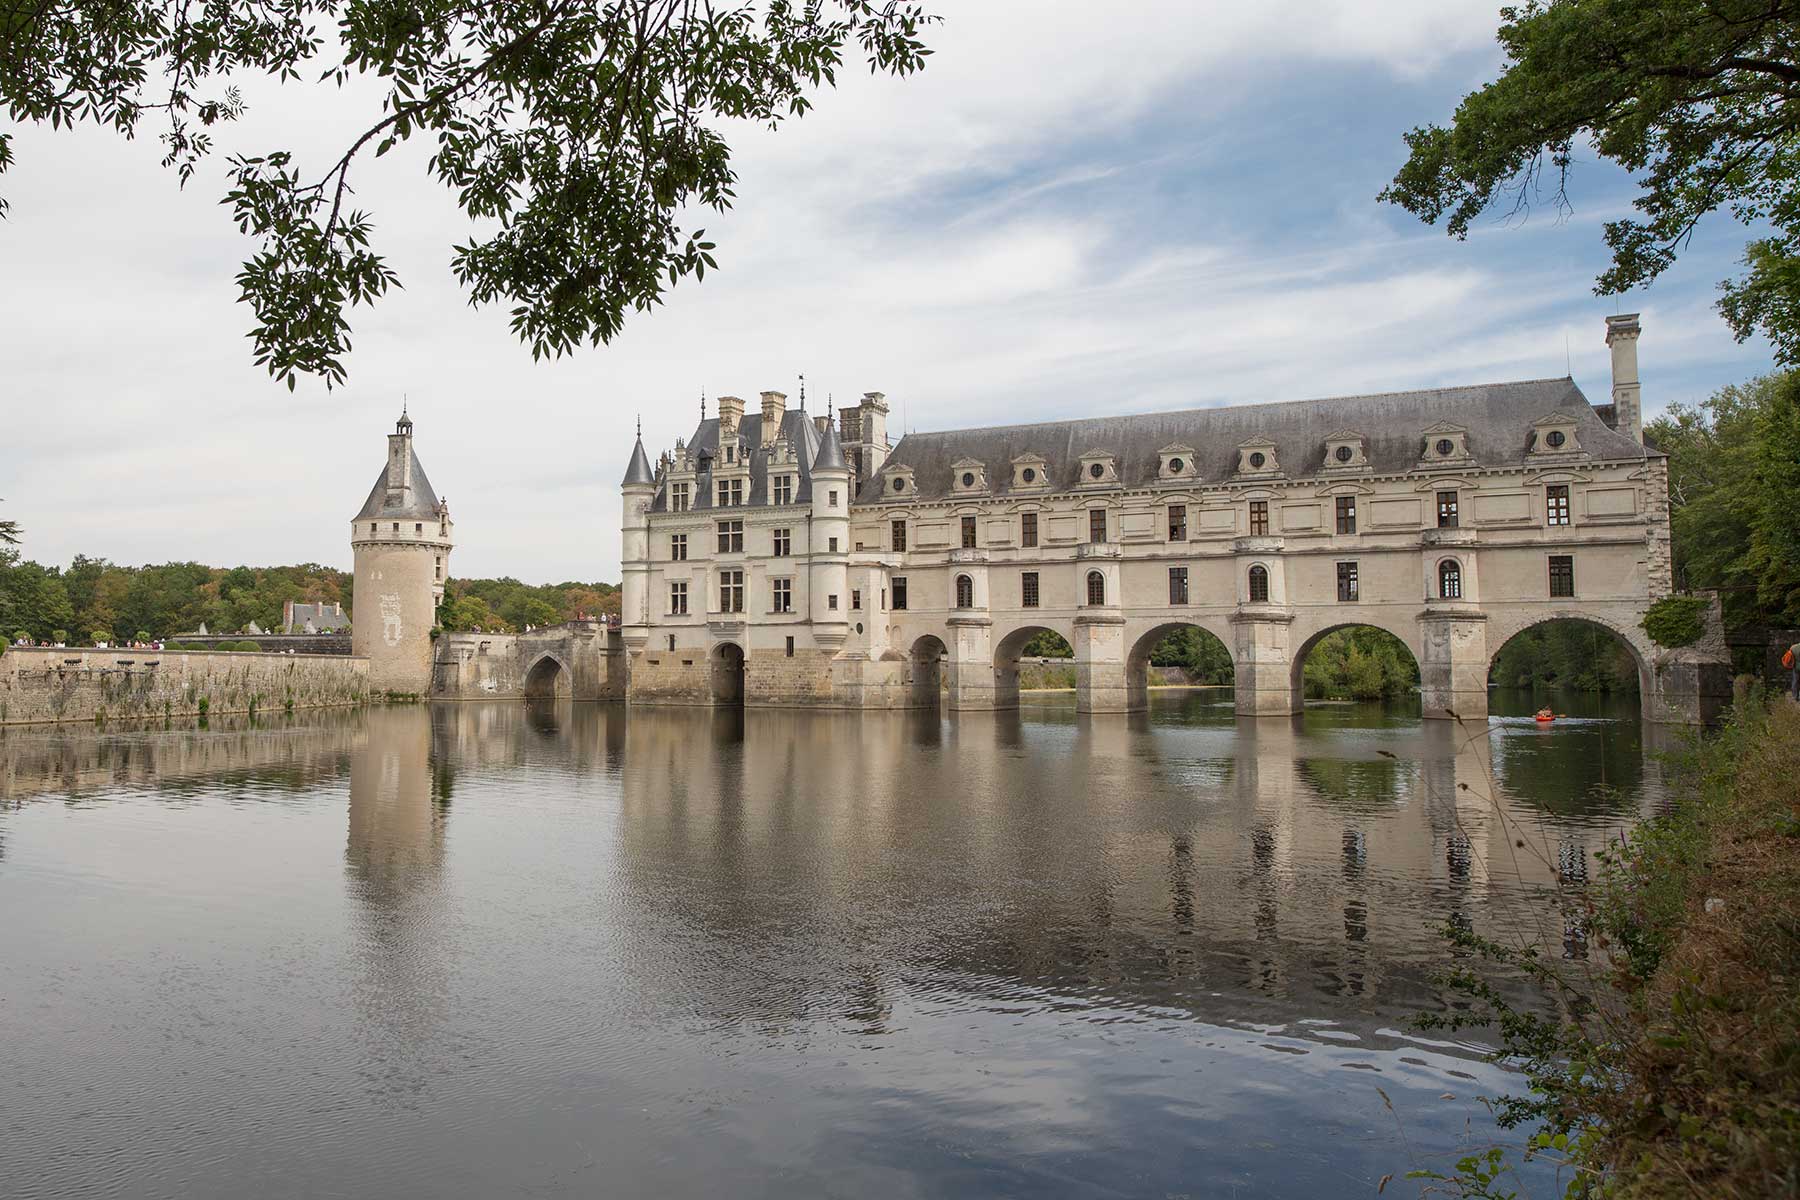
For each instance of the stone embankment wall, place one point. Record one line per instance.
(38, 684)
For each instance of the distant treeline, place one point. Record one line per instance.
(119, 603)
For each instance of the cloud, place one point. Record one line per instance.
(1075, 209)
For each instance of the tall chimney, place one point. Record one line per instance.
(731, 411)
(1628, 401)
(774, 404)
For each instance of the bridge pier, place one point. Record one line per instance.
(1100, 675)
(975, 683)
(1453, 668)
(1264, 683)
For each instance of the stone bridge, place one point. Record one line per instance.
(579, 660)
(973, 659)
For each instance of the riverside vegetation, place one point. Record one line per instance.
(1670, 1064)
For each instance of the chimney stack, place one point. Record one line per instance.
(1628, 403)
(731, 411)
(774, 405)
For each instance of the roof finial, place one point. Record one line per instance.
(640, 422)
(702, 404)
(802, 391)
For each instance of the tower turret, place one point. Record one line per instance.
(638, 488)
(401, 541)
(830, 541)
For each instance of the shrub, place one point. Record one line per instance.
(60, 636)
(248, 646)
(21, 635)
(142, 636)
(1676, 621)
(99, 636)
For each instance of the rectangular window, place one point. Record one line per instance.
(1097, 525)
(1447, 511)
(831, 501)
(831, 602)
(1178, 522)
(855, 599)
(678, 598)
(678, 547)
(731, 591)
(1028, 589)
(784, 489)
(1178, 589)
(781, 595)
(790, 647)
(1347, 586)
(968, 533)
(1346, 514)
(418, 528)
(731, 537)
(1562, 577)
(1556, 504)
(1027, 529)
(784, 543)
(899, 592)
(439, 572)
(1259, 518)
(831, 545)
(899, 534)
(731, 493)
(678, 497)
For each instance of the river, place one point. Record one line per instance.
(484, 950)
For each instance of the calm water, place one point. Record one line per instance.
(482, 951)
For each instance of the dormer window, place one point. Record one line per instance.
(1443, 442)
(1554, 434)
(969, 476)
(1028, 473)
(1177, 462)
(898, 482)
(1098, 468)
(1344, 451)
(1256, 456)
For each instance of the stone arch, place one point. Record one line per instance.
(1006, 660)
(925, 671)
(727, 660)
(1297, 669)
(548, 678)
(1137, 659)
(1633, 639)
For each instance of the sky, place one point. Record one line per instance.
(1074, 210)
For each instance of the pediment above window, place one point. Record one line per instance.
(897, 483)
(1554, 434)
(1177, 462)
(1442, 442)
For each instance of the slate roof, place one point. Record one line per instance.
(424, 500)
(1498, 417)
(796, 426)
(831, 452)
(639, 469)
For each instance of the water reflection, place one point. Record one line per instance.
(1033, 952)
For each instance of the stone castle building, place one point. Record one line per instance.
(401, 540)
(779, 559)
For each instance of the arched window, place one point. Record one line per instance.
(965, 592)
(1259, 584)
(1450, 579)
(1096, 588)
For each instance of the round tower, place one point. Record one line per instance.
(829, 542)
(401, 541)
(639, 490)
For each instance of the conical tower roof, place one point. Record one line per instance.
(639, 473)
(831, 453)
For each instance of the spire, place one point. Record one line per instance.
(404, 424)
(638, 474)
(831, 454)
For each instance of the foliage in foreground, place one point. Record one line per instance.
(1696, 98)
(1675, 1069)
(576, 137)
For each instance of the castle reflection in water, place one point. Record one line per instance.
(774, 868)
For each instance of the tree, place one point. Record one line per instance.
(1699, 98)
(574, 134)
(1734, 496)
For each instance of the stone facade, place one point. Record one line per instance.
(769, 560)
(43, 684)
(579, 660)
(401, 540)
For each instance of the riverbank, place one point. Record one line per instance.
(1677, 1071)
